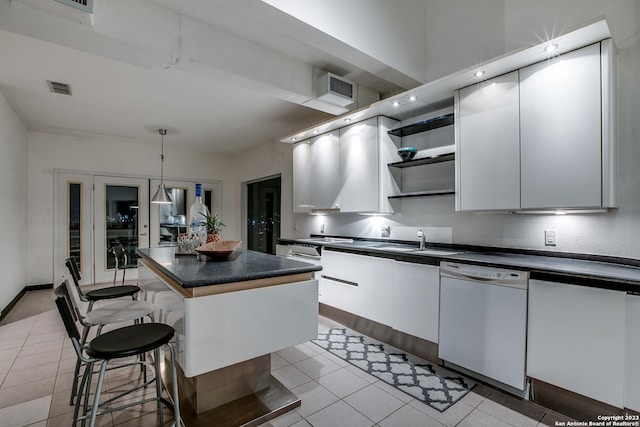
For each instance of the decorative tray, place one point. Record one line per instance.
(221, 249)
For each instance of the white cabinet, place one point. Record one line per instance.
(359, 167)
(560, 124)
(325, 171)
(365, 151)
(346, 170)
(632, 373)
(375, 289)
(488, 145)
(542, 141)
(416, 297)
(338, 284)
(302, 177)
(576, 337)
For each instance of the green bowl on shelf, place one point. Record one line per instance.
(407, 153)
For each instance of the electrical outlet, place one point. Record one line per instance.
(385, 231)
(549, 238)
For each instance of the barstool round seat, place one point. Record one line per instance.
(119, 311)
(129, 341)
(112, 292)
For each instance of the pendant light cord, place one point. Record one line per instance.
(163, 132)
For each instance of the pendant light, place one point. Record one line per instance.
(162, 196)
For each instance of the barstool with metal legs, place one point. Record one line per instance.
(108, 314)
(134, 340)
(101, 294)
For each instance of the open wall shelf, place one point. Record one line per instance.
(423, 126)
(446, 157)
(430, 193)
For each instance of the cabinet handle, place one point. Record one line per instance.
(346, 282)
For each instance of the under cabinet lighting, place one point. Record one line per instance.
(413, 98)
(395, 103)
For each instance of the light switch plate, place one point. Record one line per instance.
(385, 231)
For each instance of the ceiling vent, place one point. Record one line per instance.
(83, 5)
(335, 90)
(59, 88)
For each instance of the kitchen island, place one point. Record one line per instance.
(229, 316)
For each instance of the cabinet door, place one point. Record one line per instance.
(375, 289)
(302, 177)
(325, 172)
(560, 122)
(359, 159)
(632, 371)
(416, 297)
(338, 286)
(575, 339)
(488, 145)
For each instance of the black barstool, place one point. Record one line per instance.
(134, 340)
(122, 261)
(101, 294)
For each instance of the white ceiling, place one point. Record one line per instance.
(119, 92)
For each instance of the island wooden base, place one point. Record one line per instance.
(244, 394)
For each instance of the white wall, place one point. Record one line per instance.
(47, 152)
(13, 193)
(517, 22)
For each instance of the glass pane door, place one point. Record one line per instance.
(74, 222)
(121, 210)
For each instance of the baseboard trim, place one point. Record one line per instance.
(22, 293)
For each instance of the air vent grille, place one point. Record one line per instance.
(340, 87)
(60, 88)
(83, 5)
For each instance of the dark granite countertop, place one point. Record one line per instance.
(243, 265)
(581, 269)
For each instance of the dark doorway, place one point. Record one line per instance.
(263, 215)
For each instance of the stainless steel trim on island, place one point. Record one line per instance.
(229, 316)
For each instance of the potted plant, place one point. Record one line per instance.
(213, 225)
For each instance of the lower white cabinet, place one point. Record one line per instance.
(375, 289)
(416, 296)
(576, 339)
(338, 284)
(632, 392)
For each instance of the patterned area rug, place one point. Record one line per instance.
(433, 385)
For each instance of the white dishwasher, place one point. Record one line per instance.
(483, 323)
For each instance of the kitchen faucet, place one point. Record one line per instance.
(422, 239)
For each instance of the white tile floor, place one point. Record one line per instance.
(36, 365)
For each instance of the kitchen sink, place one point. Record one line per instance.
(433, 252)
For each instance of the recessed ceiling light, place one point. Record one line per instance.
(294, 139)
(413, 98)
(315, 131)
(551, 47)
(347, 120)
(479, 73)
(395, 103)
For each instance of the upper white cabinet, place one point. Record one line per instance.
(346, 170)
(487, 145)
(572, 331)
(302, 177)
(541, 137)
(365, 150)
(561, 132)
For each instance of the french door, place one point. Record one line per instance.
(121, 212)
